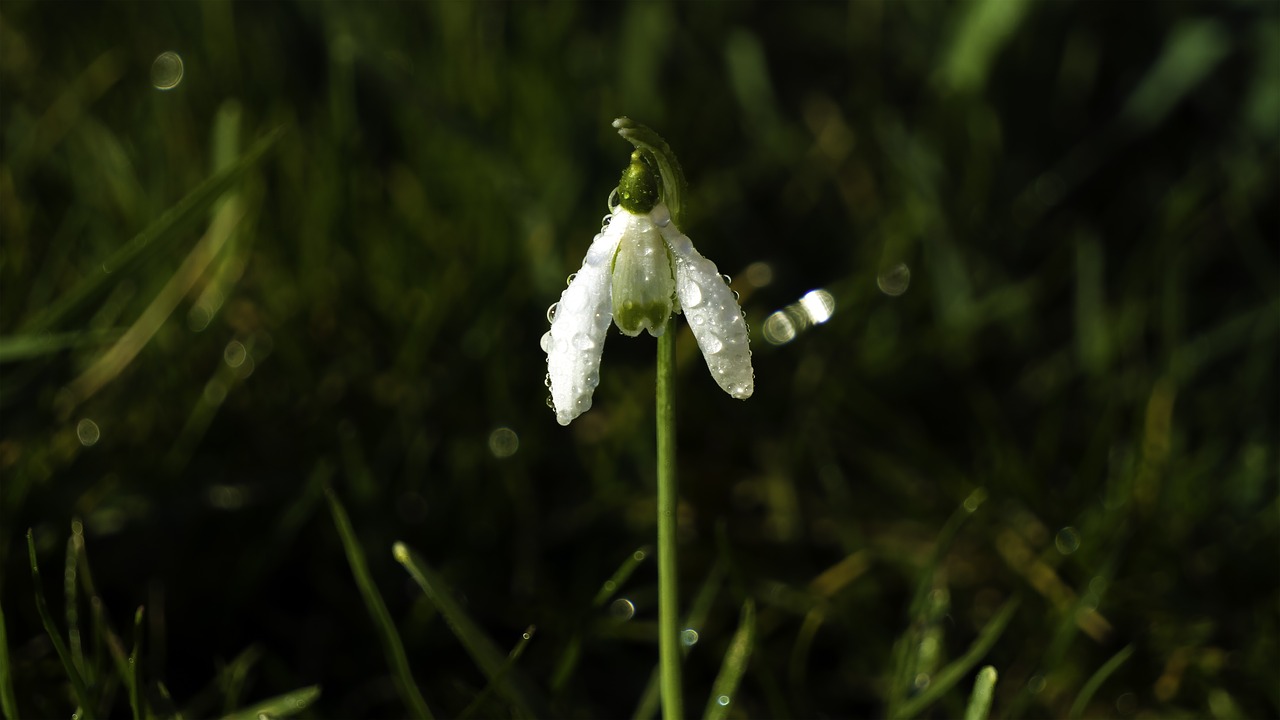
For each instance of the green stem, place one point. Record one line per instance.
(668, 499)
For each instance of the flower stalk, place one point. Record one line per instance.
(668, 504)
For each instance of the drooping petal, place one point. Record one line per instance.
(713, 312)
(578, 329)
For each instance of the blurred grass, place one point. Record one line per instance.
(1049, 231)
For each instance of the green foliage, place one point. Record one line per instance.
(322, 260)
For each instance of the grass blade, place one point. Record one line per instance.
(161, 232)
(1095, 681)
(478, 645)
(8, 703)
(734, 666)
(697, 617)
(391, 644)
(624, 571)
(984, 686)
(42, 607)
(135, 662)
(16, 348)
(512, 657)
(280, 706)
(951, 674)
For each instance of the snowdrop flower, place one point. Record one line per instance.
(639, 269)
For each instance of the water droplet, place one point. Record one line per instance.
(712, 345)
(736, 295)
(699, 320)
(922, 681)
(546, 381)
(593, 379)
(638, 555)
(893, 280)
(693, 295)
(689, 637)
(503, 442)
(614, 200)
(622, 609)
(551, 312)
(727, 280)
(723, 701)
(660, 216)
(569, 280)
(1067, 540)
(526, 636)
(604, 223)
(166, 71)
(582, 342)
(546, 342)
(551, 403)
(88, 433)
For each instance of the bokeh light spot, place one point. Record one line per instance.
(1067, 540)
(894, 280)
(503, 442)
(819, 304)
(166, 71)
(689, 637)
(235, 354)
(622, 609)
(88, 433)
(779, 329)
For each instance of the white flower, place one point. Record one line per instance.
(639, 269)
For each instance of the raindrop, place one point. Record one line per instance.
(727, 280)
(503, 442)
(87, 431)
(166, 71)
(893, 280)
(712, 345)
(1067, 540)
(689, 637)
(551, 312)
(550, 403)
(582, 342)
(661, 216)
(723, 700)
(546, 342)
(693, 295)
(922, 681)
(569, 280)
(546, 381)
(614, 200)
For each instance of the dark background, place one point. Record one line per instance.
(1084, 196)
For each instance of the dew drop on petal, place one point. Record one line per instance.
(727, 280)
(693, 295)
(582, 342)
(712, 345)
(660, 216)
(551, 312)
(546, 342)
(569, 280)
(614, 200)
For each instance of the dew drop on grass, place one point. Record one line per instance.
(689, 637)
(723, 700)
(622, 609)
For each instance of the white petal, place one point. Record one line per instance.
(713, 314)
(578, 331)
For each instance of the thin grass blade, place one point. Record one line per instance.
(624, 571)
(16, 348)
(135, 663)
(42, 607)
(951, 674)
(512, 657)
(734, 666)
(280, 706)
(1095, 681)
(157, 236)
(984, 687)
(478, 645)
(8, 702)
(391, 644)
